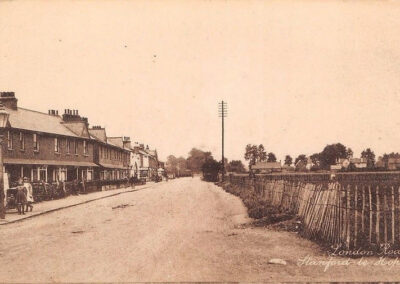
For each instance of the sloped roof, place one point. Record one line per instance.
(266, 165)
(117, 141)
(287, 167)
(98, 134)
(79, 128)
(152, 153)
(357, 160)
(38, 121)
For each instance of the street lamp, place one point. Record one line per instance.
(4, 115)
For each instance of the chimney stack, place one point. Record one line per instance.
(9, 100)
(126, 141)
(73, 116)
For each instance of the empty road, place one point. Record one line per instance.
(181, 230)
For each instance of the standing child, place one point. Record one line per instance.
(21, 197)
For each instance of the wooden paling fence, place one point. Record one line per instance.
(349, 211)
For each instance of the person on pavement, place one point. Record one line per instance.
(29, 194)
(21, 197)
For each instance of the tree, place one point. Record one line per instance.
(271, 157)
(262, 154)
(251, 154)
(255, 154)
(301, 157)
(181, 166)
(315, 159)
(301, 163)
(349, 153)
(369, 155)
(197, 158)
(210, 170)
(171, 165)
(236, 166)
(331, 153)
(288, 160)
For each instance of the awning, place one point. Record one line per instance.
(13, 161)
(111, 166)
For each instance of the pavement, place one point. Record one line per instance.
(49, 206)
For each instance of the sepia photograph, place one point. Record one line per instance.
(199, 141)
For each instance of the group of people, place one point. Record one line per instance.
(24, 196)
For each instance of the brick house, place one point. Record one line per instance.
(46, 146)
(110, 155)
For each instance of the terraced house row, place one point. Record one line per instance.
(54, 148)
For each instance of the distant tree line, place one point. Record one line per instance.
(320, 161)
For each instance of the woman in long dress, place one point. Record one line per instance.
(29, 194)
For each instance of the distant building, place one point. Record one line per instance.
(144, 162)
(359, 163)
(393, 164)
(287, 168)
(266, 167)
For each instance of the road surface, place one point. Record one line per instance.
(181, 230)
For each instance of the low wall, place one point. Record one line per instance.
(349, 210)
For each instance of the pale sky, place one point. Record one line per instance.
(297, 75)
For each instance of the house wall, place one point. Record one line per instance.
(46, 147)
(135, 159)
(111, 155)
(146, 162)
(153, 163)
(107, 154)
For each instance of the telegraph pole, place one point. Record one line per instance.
(223, 112)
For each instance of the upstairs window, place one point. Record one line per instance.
(35, 142)
(9, 140)
(21, 141)
(76, 147)
(56, 145)
(68, 146)
(85, 147)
